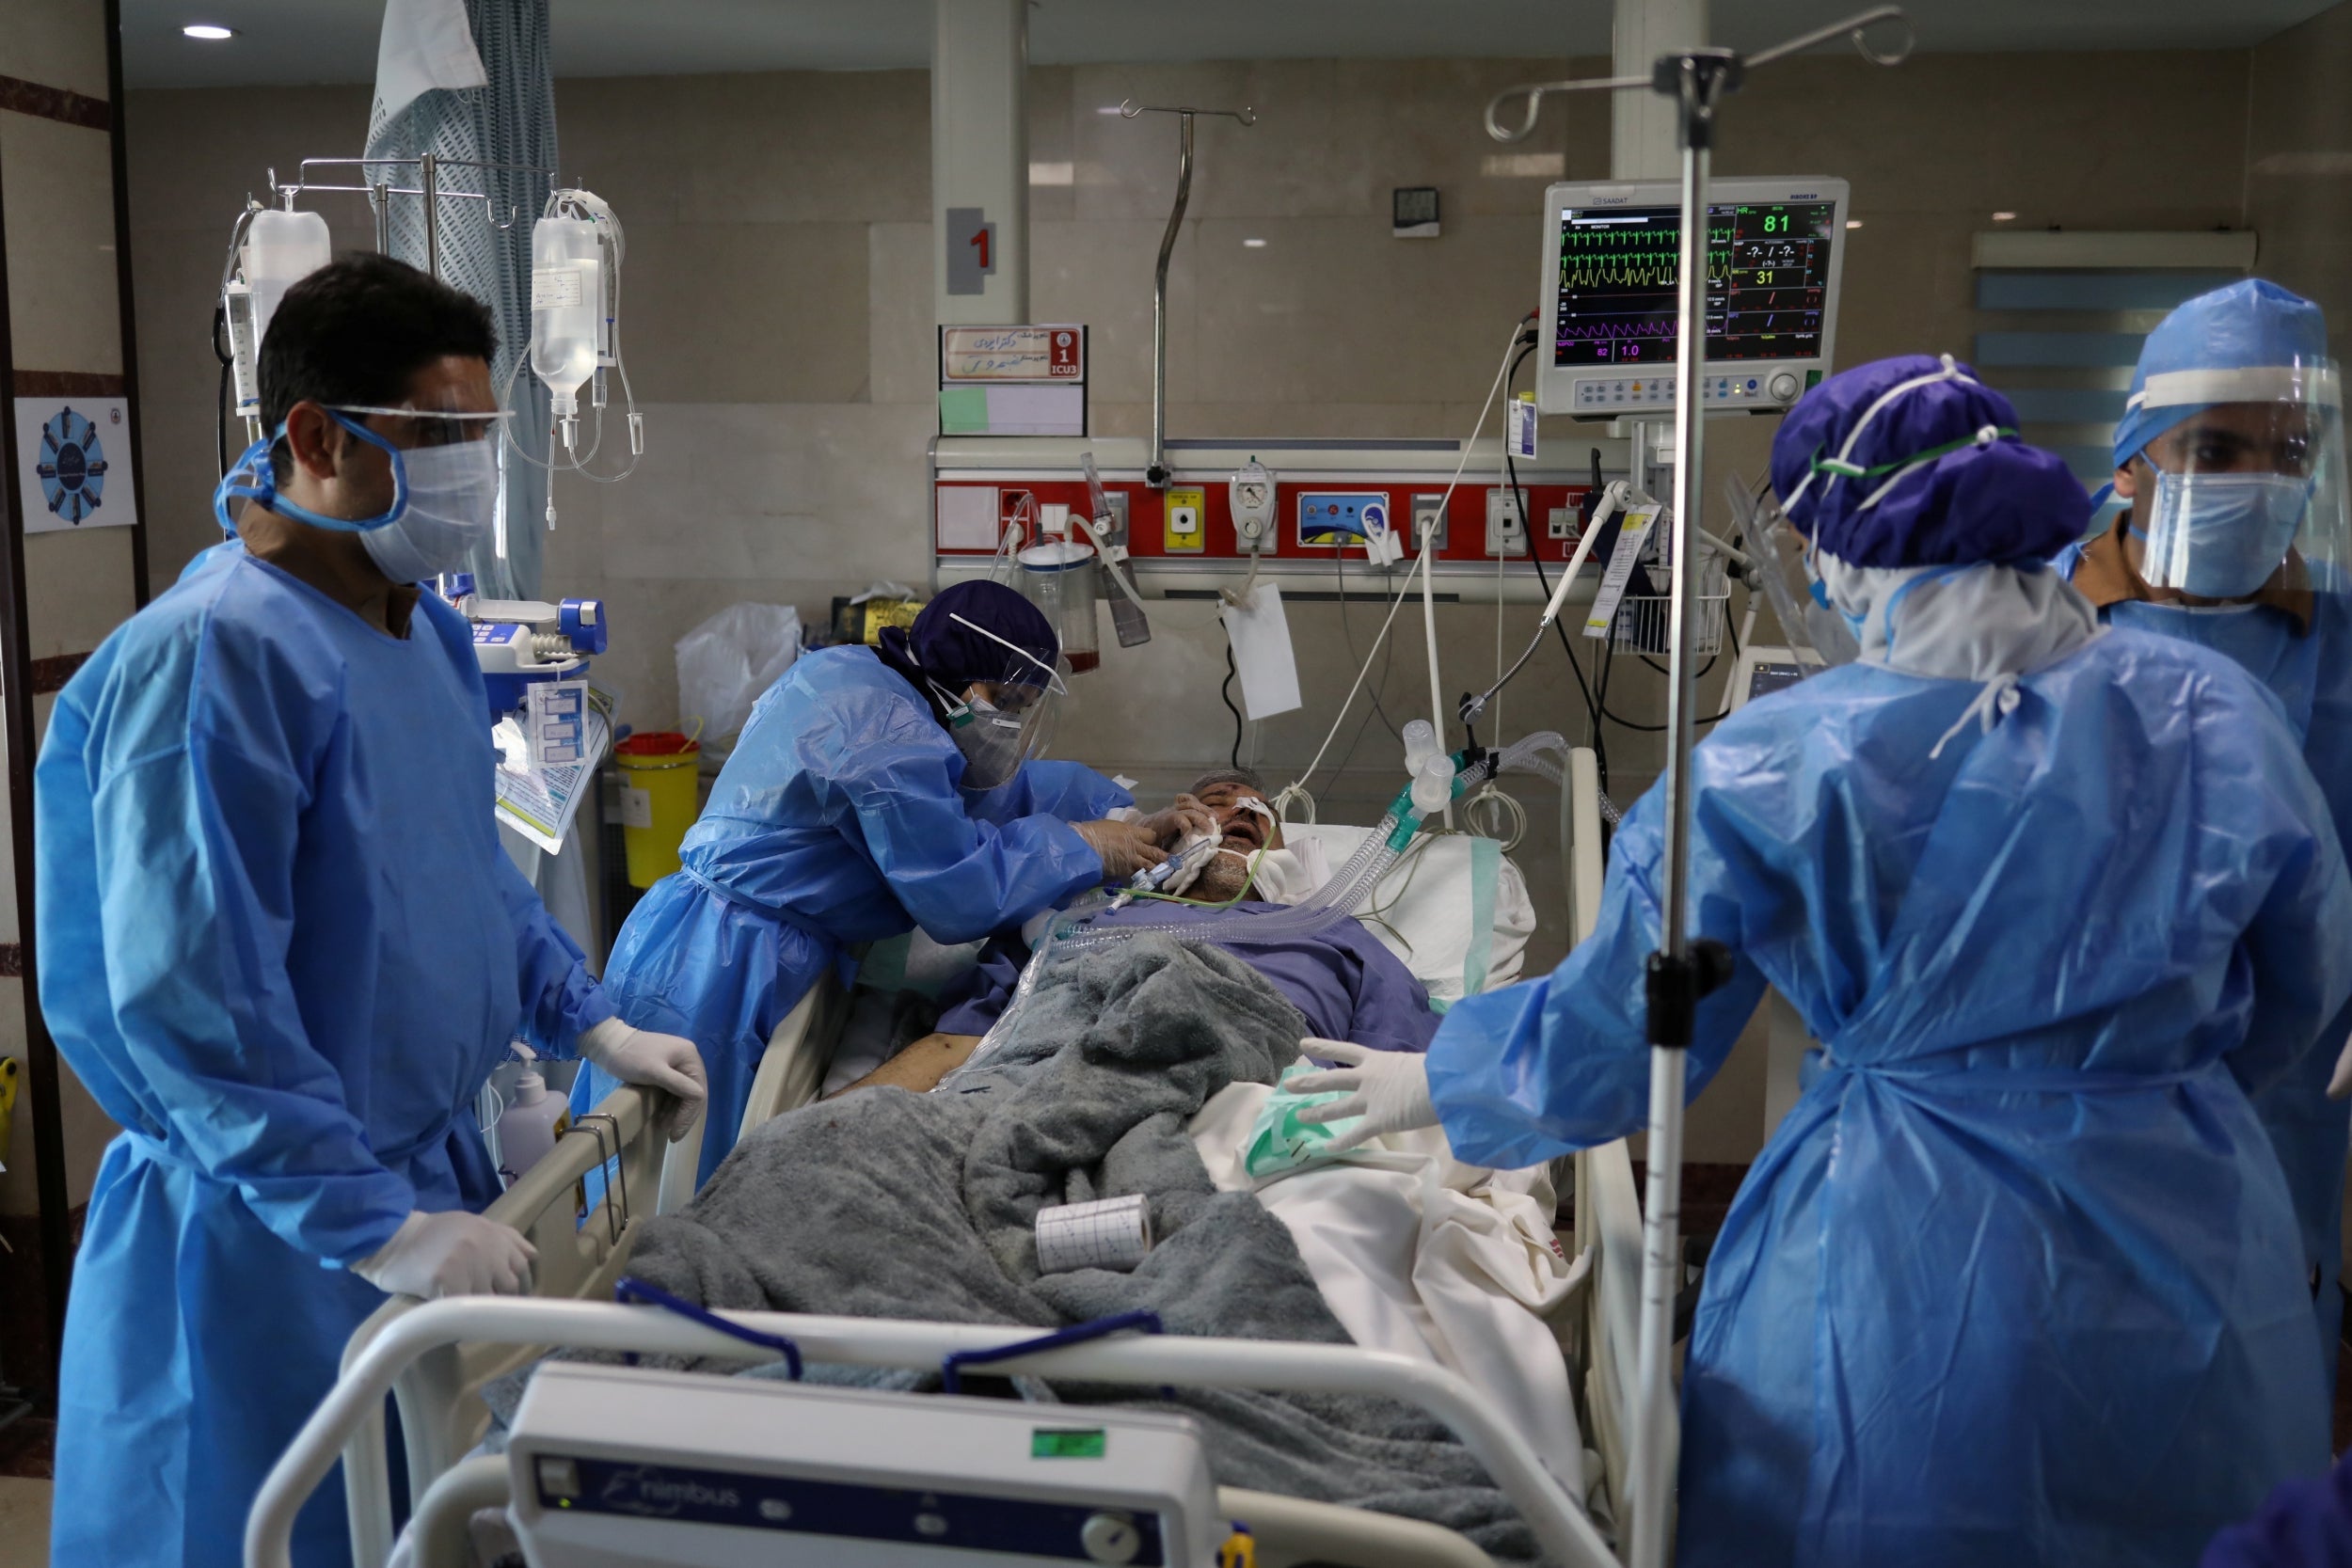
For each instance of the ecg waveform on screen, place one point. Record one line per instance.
(1601, 331)
(1619, 278)
(1634, 258)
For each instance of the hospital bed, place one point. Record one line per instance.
(436, 1359)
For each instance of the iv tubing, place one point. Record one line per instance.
(1428, 552)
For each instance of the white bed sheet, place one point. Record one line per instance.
(1421, 1255)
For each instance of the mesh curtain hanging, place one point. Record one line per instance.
(510, 121)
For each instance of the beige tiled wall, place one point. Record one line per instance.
(64, 305)
(2299, 186)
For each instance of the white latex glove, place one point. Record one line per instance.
(1186, 820)
(1192, 857)
(1388, 1089)
(2340, 1085)
(667, 1062)
(451, 1254)
(1126, 848)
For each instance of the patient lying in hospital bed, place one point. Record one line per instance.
(1341, 979)
(1140, 1068)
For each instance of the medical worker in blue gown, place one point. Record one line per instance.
(279, 941)
(874, 790)
(2235, 538)
(2017, 1280)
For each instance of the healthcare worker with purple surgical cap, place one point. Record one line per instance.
(2016, 1281)
(874, 790)
(2231, 454)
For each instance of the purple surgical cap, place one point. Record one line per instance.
(1965, 489)
(954, 655)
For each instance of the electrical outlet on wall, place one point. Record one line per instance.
(1560, 523)
(1428, 512)
(1506, 530)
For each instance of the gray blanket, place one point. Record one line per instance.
(885, 1203)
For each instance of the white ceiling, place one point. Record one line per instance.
(334, 41)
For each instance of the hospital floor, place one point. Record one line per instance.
(25, 1446)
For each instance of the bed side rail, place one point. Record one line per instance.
(1608, 1205)
(440, 1419)
(1566, 1537)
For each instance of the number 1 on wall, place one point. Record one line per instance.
(972, 258)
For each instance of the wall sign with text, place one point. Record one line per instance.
(1039, 356)
(1018, 380)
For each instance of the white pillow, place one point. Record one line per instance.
(1426, 910)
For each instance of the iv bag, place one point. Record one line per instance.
(566, 299)
(280, 249)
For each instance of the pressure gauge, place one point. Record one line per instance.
(1250, 497)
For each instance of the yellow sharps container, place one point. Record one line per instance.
(658, 800)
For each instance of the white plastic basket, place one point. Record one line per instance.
(1645, 622)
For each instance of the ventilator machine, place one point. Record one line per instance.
(726, 1471)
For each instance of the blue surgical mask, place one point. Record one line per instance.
(444, 500)
(2220, 536)
(1819, 591)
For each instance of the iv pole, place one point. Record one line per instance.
(1682, 971)
(1156, 475)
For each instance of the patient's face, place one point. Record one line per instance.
(1237, 810)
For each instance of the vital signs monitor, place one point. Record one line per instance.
(1611, 264)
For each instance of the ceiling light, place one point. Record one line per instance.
(2004, 217)
(1253, 245)
(1853, 223)
(211, 32)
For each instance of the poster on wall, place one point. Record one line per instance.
(73, 464)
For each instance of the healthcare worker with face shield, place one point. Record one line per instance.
(2017, 1279)
(279, 941)
(2231, 454)
(874, 790)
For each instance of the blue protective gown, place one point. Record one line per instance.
(840, 819)
(2017, 1279)
(280, 945)
(2310, 674)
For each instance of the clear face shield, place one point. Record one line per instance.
(1807, 622)
(999, 724)
(2247, 492)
